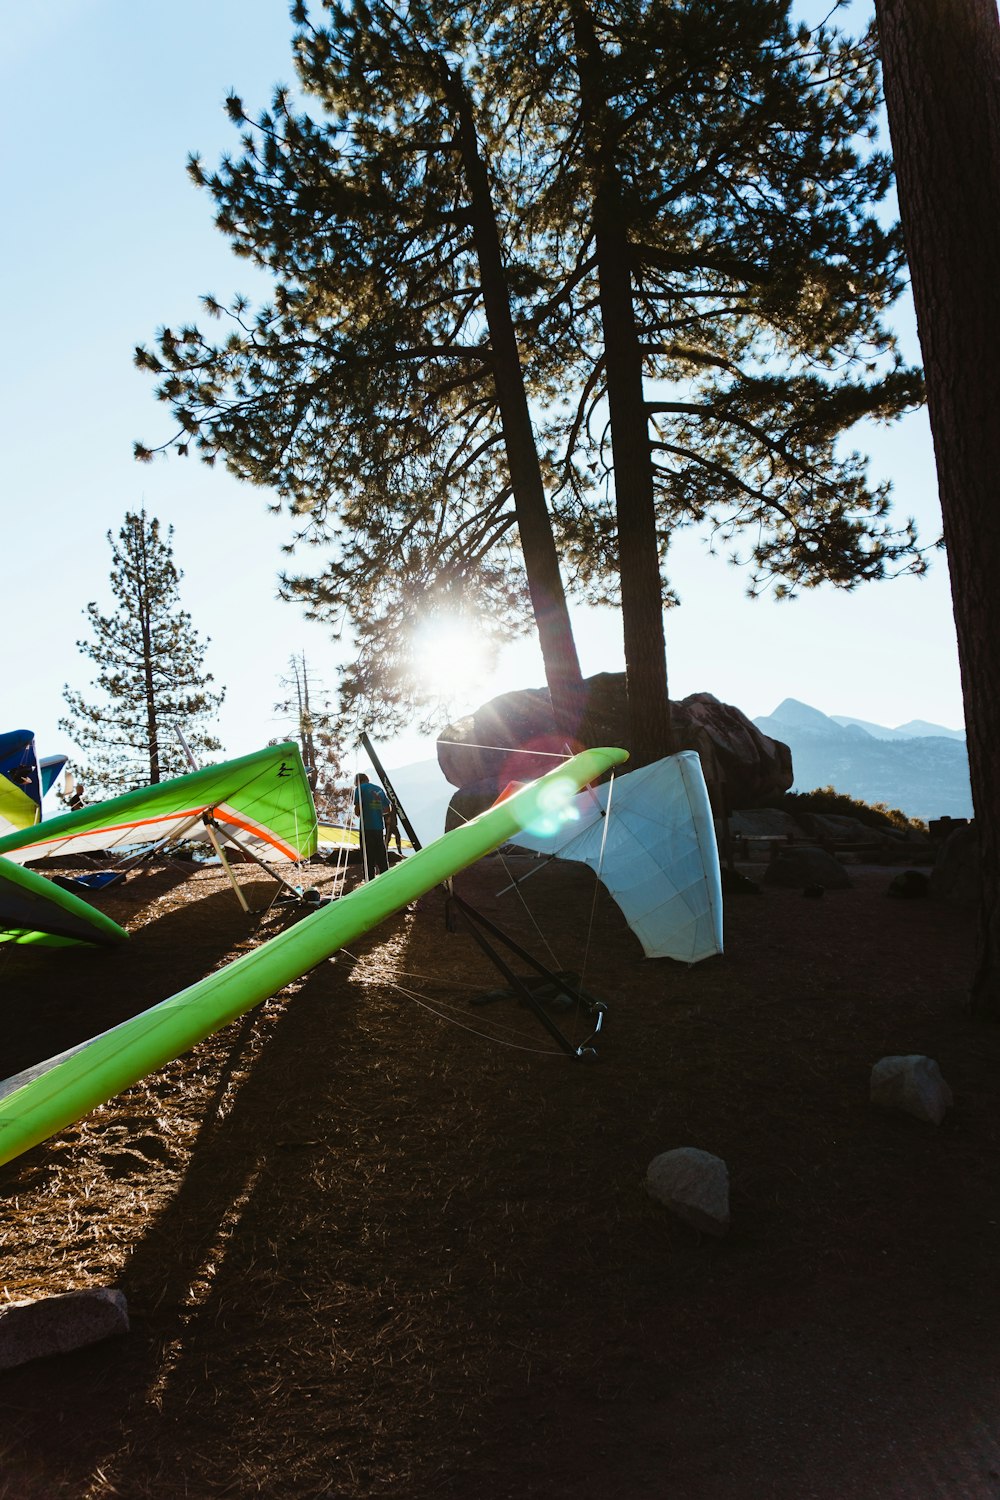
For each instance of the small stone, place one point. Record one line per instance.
(909, 885)
(39, 1327)
(693, 1185)
(912, 1084)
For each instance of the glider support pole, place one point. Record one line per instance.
(474, 917)
(209, 823)
(231, 838)
(476, 920)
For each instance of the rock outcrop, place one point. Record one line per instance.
(803, 866)
(513, 737)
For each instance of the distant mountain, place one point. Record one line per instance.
(919, 728)
(915, 729)
(924, 772)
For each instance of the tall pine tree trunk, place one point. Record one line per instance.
(638, 550)
(541, 560)
(145, 618)
(941, 66)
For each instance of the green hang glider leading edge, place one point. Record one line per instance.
(34, 910)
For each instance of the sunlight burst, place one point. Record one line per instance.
(453, 657)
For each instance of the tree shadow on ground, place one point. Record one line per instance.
(264, 1106)
(379, 1255)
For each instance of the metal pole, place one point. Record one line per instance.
(231, 838)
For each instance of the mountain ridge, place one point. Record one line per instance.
(924, 774)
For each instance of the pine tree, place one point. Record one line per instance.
(703, 171)
(309, 709)
(688, 245)
(151, 673)
(385, 383)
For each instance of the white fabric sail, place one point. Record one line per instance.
(660, 858)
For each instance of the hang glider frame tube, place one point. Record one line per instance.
(596, 1009)
(214, 828)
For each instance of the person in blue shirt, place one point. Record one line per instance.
(371, 805)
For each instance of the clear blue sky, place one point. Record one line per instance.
(105, 239)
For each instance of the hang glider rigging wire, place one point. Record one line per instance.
(515, 882)
(423, 1001)
(550, 755)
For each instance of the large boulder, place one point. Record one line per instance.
(803, 866)
(514, 737)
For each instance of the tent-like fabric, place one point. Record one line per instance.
(24, 779)
(263, 799)
(20, 784)
(655, 851)
(33, 910)
(49, 768)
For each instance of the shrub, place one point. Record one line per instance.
(825, 799)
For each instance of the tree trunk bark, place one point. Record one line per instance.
(541, 560)
(143, 602)
(941, 65)
(638, 550)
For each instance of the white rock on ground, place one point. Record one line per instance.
(39, 1327)
(912, 1084)
(694, 1185)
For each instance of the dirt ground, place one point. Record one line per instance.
(379, 1241)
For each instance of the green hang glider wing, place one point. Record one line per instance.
(33, 910)
(52, 1095)
(264, 798)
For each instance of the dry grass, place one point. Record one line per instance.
(377, 1241)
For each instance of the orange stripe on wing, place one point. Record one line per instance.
(225, 814)
(112, 829)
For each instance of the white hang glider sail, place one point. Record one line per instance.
(655, 851)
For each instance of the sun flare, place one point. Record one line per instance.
(453, 657)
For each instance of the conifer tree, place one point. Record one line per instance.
(688, 247)
(151, 673)
(702, 169)
(308, 708)
(385, 384)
